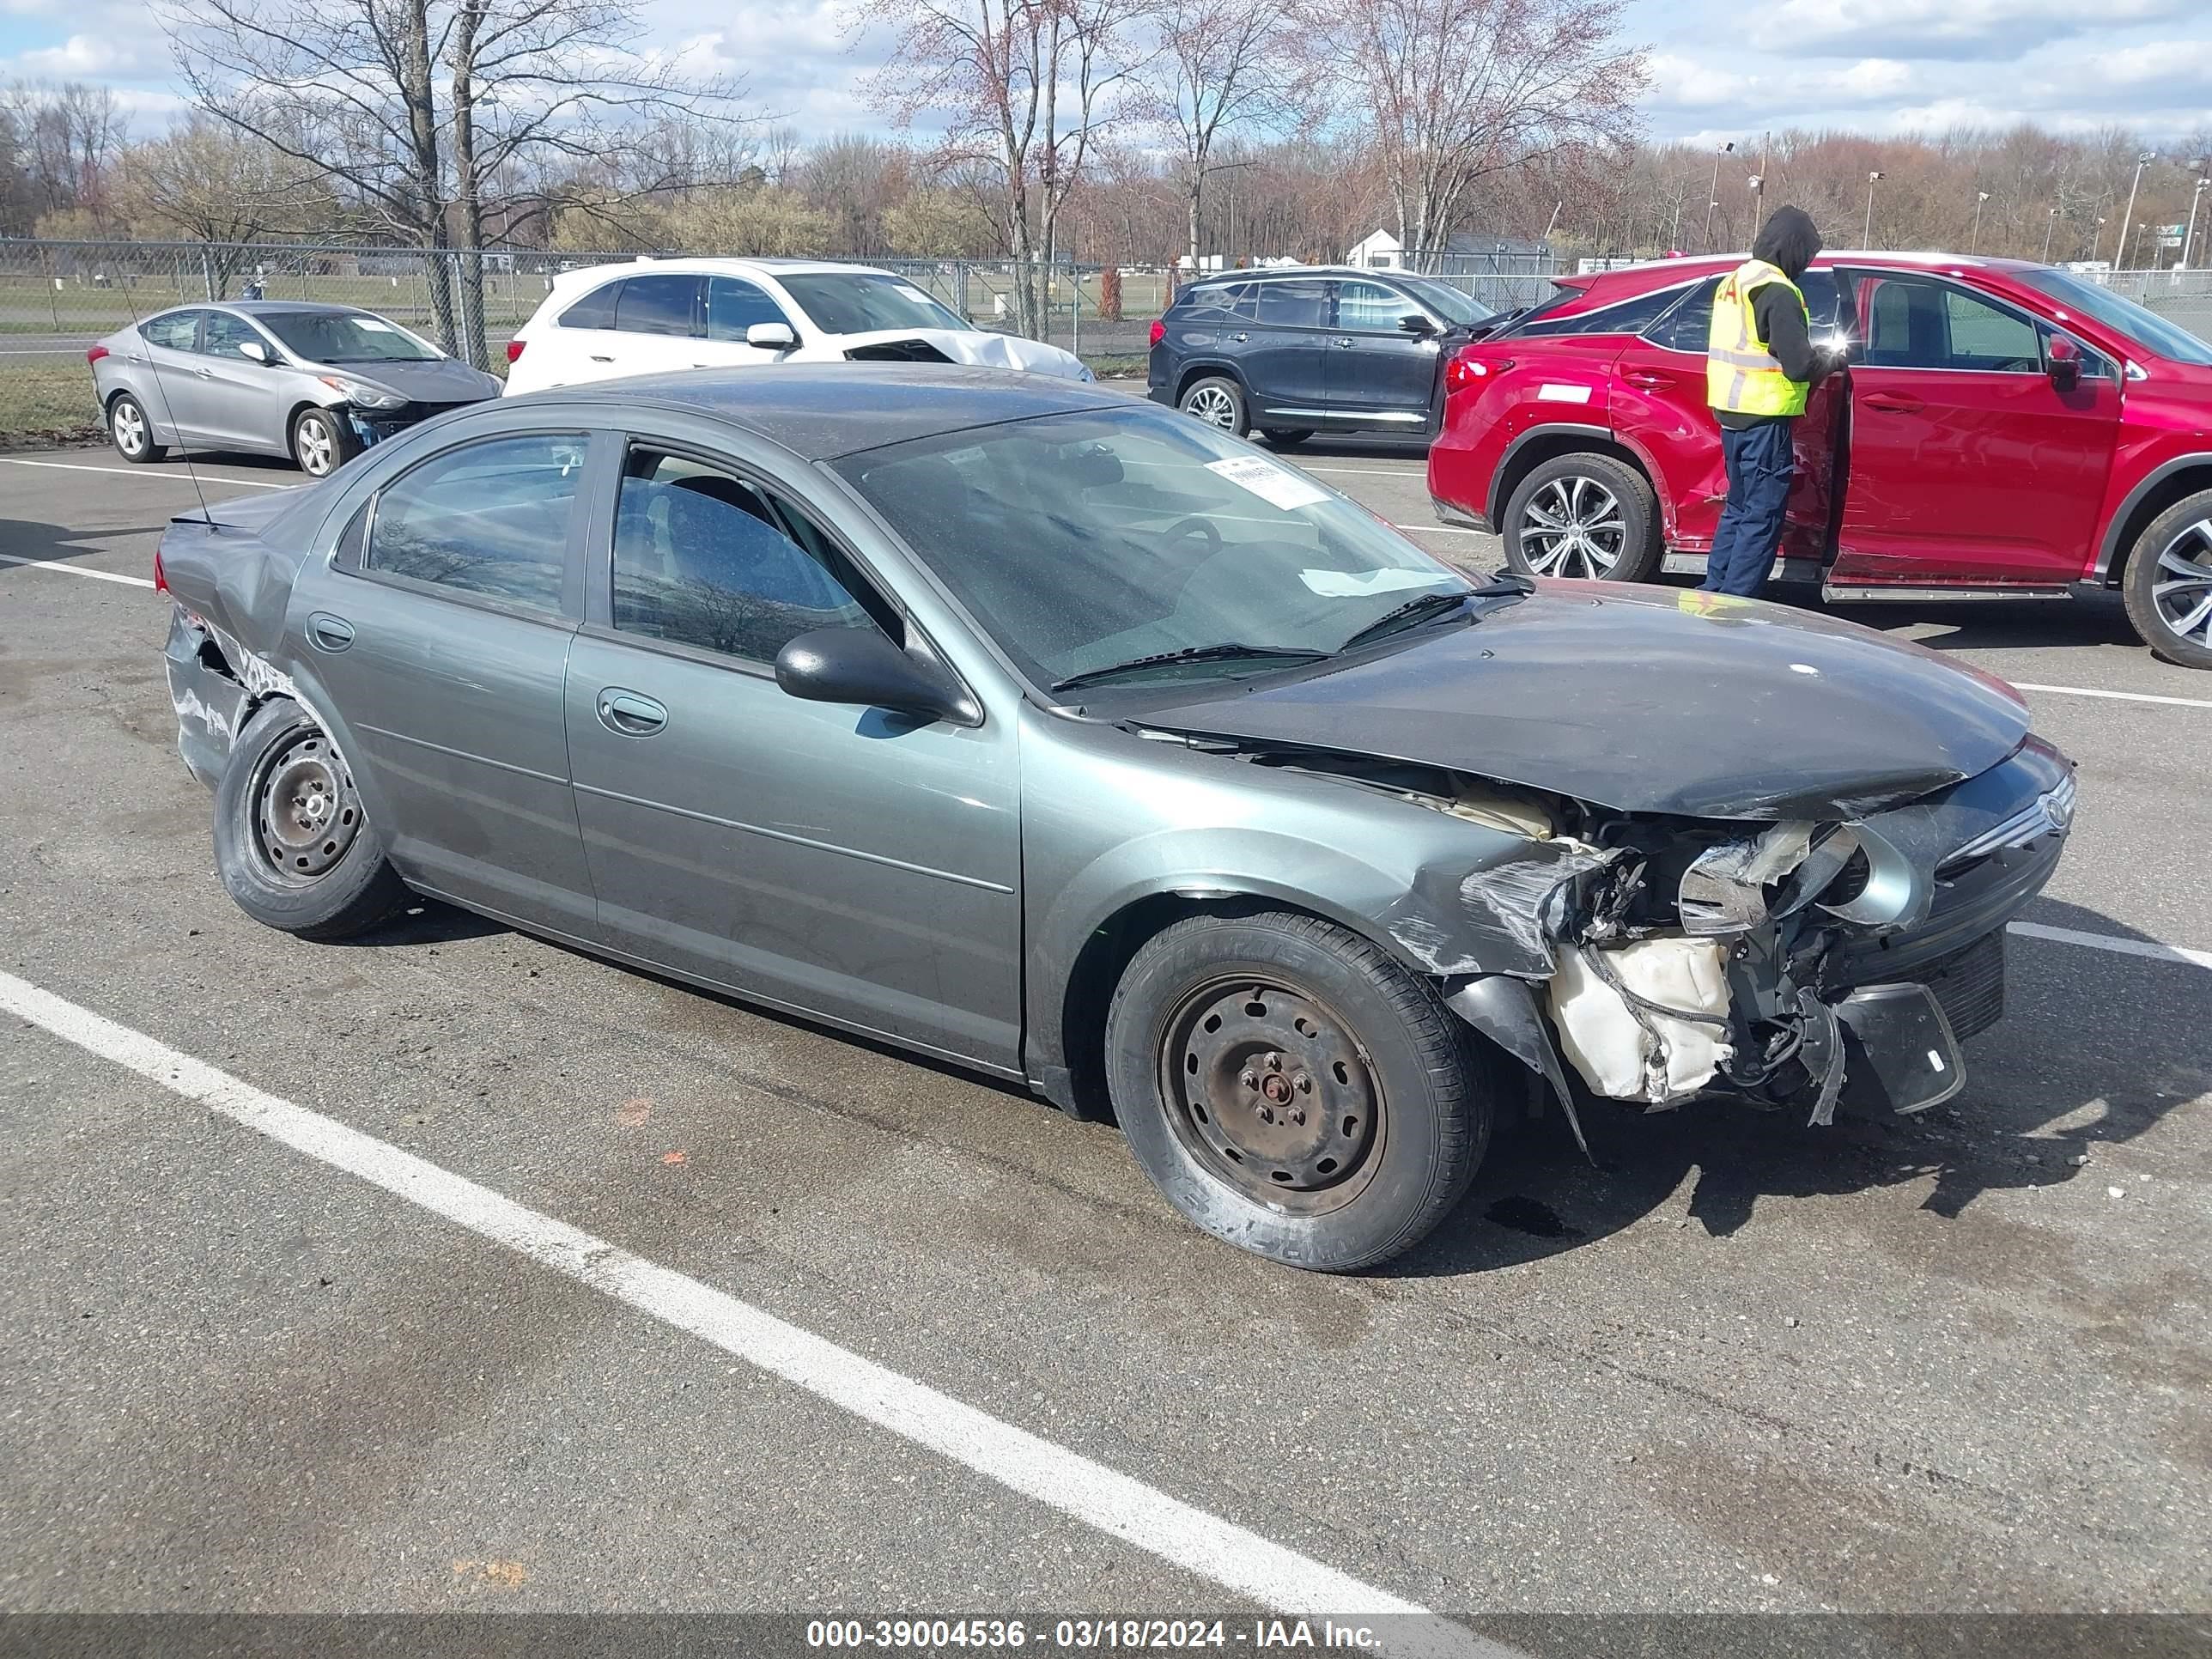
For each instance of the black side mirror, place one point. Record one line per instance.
(2062, 358)
(859, 666)
(1414, 323)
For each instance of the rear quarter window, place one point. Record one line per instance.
(595, 310)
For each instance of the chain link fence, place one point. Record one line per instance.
(2183, 297)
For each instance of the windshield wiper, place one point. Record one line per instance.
(1422, 606)
(1227, 651)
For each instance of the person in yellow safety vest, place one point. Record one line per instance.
(1760, 366)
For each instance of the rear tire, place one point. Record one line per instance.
(131, 432)
(321, 442)
(292, 843)
(1287, 437)
(2169, 583)
(1217, 401)
(1295, 1089)
(1583, 515)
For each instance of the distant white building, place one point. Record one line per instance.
(1380, 252)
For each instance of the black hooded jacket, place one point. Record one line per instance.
(1788, 241)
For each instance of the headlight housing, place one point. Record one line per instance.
(361, 394)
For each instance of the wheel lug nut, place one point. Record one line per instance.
(1304, 1080)
(1249, 1080)
(1274, 1062)
(1266, 1115)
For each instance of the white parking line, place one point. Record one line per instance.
(2126, 947)
(144, 473)
(2123, 697)
(69, 569)
(1186, 1537)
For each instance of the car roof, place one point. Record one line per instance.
(708, 265)
(1660, 273)
(819, 411)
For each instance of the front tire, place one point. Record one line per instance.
(321, 442)
(1218, 401)
(1295, 1089)
(1583, 515)
(2169, 583)
(292, 843)
(131, 432)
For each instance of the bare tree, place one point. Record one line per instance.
(1024, 85)
(1222, 66)
(414, 108)
(65, 138)
(204, 181)
(1458, 91)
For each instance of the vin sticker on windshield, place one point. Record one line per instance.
(1269, 482)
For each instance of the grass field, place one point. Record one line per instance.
(47, 402)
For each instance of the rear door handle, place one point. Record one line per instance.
(598, 359)
(329, 633)
(1649, 378)
(1893, 402)
(1240, 338)
(1343, 340)
(627, 714)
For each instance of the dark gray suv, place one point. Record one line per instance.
(1307, 349)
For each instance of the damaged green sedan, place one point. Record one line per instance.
(1075, 742)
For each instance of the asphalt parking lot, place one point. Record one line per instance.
(849, 1333)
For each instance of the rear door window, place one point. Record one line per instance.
(1687, 325)
(1293, 304)
(657, 305)
(490, 520)
(174, 331)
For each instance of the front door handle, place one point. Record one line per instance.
(1344, 340)
(627, 714)
(329, 633)
(1894, 403)
(1240, 338)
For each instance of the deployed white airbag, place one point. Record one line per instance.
(1629, 1054)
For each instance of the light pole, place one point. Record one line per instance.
(2095, 239)
(1713, 195)
(2049, 225)
(1867, 239)
(2121, 251)
(1980, 197)
(2189, 242)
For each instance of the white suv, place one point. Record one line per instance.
(653, 315)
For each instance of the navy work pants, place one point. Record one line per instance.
(1760, 464)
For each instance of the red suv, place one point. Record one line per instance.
(2006, 430)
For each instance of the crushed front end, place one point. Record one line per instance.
(1795, 964)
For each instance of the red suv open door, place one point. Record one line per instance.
(1971, 465)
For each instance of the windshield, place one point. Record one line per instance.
(1448, 302)
(1089, 541)
(860, 302)
(2153, 332)
(346, 337)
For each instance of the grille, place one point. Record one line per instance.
(1970, 984)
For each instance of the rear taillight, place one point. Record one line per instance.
(1159, 330)
(96, 354)
(514, 351)
(160, 581)
(1467, 369)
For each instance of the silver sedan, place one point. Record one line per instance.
(317, 382)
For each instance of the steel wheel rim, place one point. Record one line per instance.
(1573, 526)
(307, 815)
(1282, 1106)
(1211, 404)
(130, 427)
(316, 443)
(2181, 589)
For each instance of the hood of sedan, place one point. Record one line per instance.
(1645, 700)
(983, 349)
(442, 380)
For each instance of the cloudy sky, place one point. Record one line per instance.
(1878, 65)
